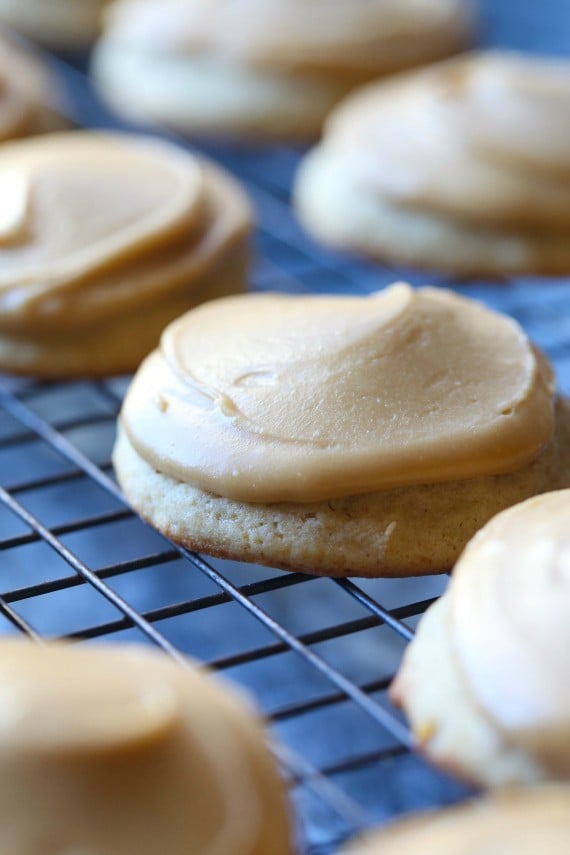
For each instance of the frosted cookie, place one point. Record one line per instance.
(340, 435)
(29, 95)
(264, 69)
(59, 24)
(486, 682)
(518, 822)
(104, 239)
(119, 750)
(463, 166)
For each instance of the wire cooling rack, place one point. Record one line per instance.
(317, 654)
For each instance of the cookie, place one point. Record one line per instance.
(486, 681)
(121, 750)
(340, 436)
(104, 239)
(459, 167)
(195, 66)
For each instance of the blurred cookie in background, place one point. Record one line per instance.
(262, 69)
(121, 750)
(462, 167)
(105, 239)
(57, 24)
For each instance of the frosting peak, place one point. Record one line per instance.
(274, 398)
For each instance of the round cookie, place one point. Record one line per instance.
(530, 821)
(206, 449)
(58, 24)
(500, 206)
(494, 707)
(259, 69)
(104, 239)
(119, 750)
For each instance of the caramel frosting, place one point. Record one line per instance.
(517, 822)
(356, 40)
(95, 227)
(270, 398)
(119, 750)
(514, 580)
(480, 140)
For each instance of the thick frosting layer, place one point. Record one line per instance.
(271, 398)
(95, 225)
(121, 751)
(355, 39)
(519, 822)
(514, 580)
(498, 122)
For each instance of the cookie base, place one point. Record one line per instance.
(408, 531)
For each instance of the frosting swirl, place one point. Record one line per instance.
(94, 226)
(271, 398)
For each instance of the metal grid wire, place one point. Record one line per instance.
(318, 654)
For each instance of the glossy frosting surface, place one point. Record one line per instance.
(275, 398)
